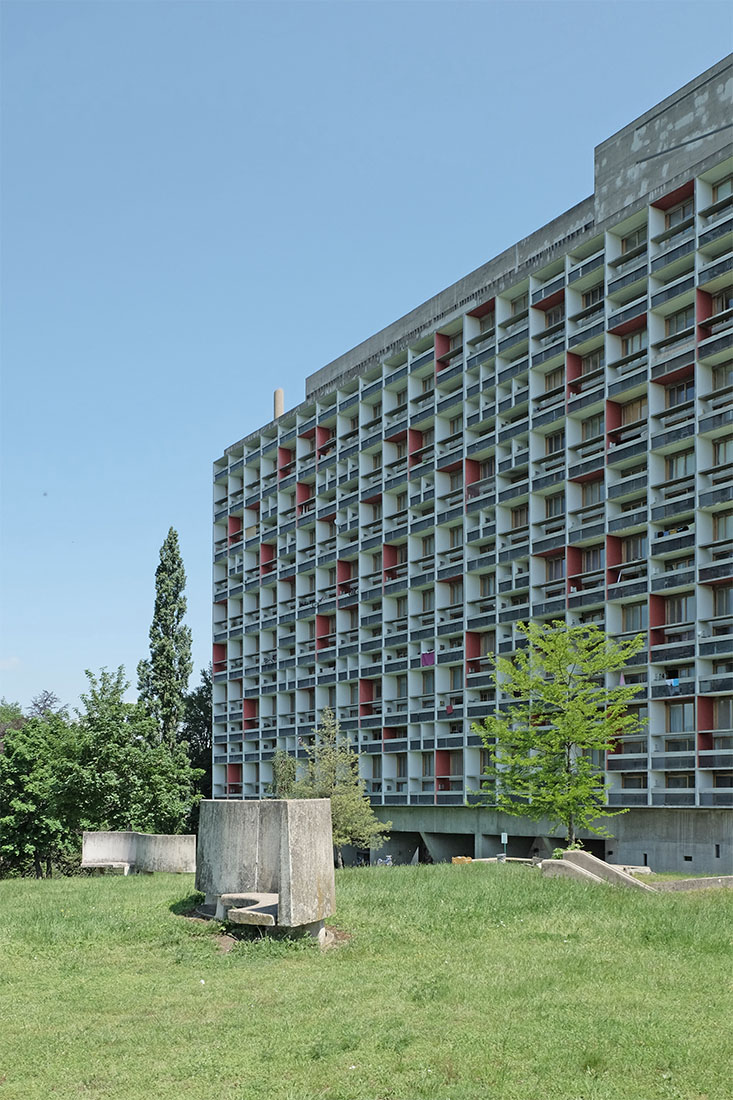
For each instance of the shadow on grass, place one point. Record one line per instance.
(186, 906)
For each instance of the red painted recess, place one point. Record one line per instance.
(703, 310)
(473, 651)
(675, 197)
(573, 566)
(573, 372)
(267, 558)
(285, 462)
(614, 553)
(325, 627)
(234, 774)
(481, 311)
(442, 769)
(656, 620)
(633, 325)
(249, 714)
(705, 723)
(234, 528)
(391, 734)
(397, 437)
(390, 560)
(552, 300)
(414, 444)
(442, 347)
(219, 658)
(472, 471)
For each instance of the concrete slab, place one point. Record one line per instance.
(558, 868)
(602, 870)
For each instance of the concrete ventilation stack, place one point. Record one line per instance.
(279, 402)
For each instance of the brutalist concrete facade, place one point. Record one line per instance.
(552, 436)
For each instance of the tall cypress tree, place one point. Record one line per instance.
(162, 680)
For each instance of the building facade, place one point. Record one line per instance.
(551, 437)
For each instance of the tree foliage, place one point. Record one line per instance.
(332, 771)
(196, 729)
(163, 677)
(546, 747)
(45, 702)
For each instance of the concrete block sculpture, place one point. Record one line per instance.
(268, 863)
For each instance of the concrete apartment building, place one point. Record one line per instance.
(550, 437)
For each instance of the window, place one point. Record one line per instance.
(723, 376)
(678, 394)
(455, 537)
(680, 717)
(456, 341)
(631, 782)
(487, 643)
(377, 511)
(680, 321)
(634, 548)
(634, 617)
(428, 599)
(427, 384)
(554, 316)
(353, 693)
(520, 304)
(594, 558)
(487, 584)
(376, 766)
(634, 411)
(428, 682)
(679, 609)
(679, 465)
(723, 190)
(376, 562)
(456, 592)
(679, 744)
(554, 379)
(520, 516)
(401, 607)
(723, 779)
(456, 425)
(593, 361)
(633, 240)
(554, 443)
(555, 506)
(377, 410)
(636, 747)
(456, 480)
(401, 683)
(723, 526)
(593, 296)
(592, 492)
(400, 449)
(723, 599)
(555, 568)
(401, 501)
(679, 213)
(487, 323)
(428, 764)
(722, 301)
(428, 436)
(456, 677)
(428, 546)
(592, 427)
(331, 577)
(634, 343)
(487, 468)
(723, 714)
(723, 452)
(354, 423)
(679, 780)
(400, 397)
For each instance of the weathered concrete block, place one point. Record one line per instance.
(276, 846)
(603, 870)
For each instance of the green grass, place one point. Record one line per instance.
(481, 982)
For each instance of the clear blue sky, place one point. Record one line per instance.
(201, 201)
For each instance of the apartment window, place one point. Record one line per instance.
(455, 537)
(401, 501)
(632, 782)
(634, 617)
(679, 780)
(680, 717)
(554, 379)
(554, 316)
(377, 410)
(376, 462)
(635, 342)
(456, 480)
(593, 296)
(427, 384)
(428, 682)
(401, 683)
(594, 558)
(311, 630)
(554, 443)
(723, 190)
(456, 425)
(428, 436)
(723, 779)
(723, 376)
(679, 213)
(487, 323)
(487, 643)
(428, 545)
(680, 465)
(593, 361)
(679, 609)
(723, 714)
(456, 677)
(679, 744)
(633, 411)
(428, 764)
(332, 698)
(487, 468)
(401, 607)
(680, 321)
(723, 526)
(376, 766)
(456, 340)
(678, 394)
(633, 240)
(402, 553)
(592, 427)
(592, 492)
(555, 568)
(674, 565)
(634, 548)
(555, 506)
(456, 592)
(428, 599)
(723, 599)
(376, 562)
(353, 693)
(722, 301)
(520, 516)
(635, 747)
(331, 578)
(520, 304)
(377, 511)
(487, 584)
(400, 397)
(353, 618)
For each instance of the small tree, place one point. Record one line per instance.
(163, 678)
(196, 730)
(284, 769)
(332, 771)
(545, 747)
(46, 702)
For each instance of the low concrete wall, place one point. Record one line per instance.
(143, 851)
(695, 883)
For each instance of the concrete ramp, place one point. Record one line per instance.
(558, 868)
(602, 870)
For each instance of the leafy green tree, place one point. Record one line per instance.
(36, 765)
(546, 747)
(332, 771)
(46, 702)
(127, 777)
(284, 769)
(196, 730)
(163, 677)
(11, 718)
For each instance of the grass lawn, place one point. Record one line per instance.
(481, 982)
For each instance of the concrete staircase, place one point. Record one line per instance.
(583, 867)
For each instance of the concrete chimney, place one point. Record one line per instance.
(279, 403)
